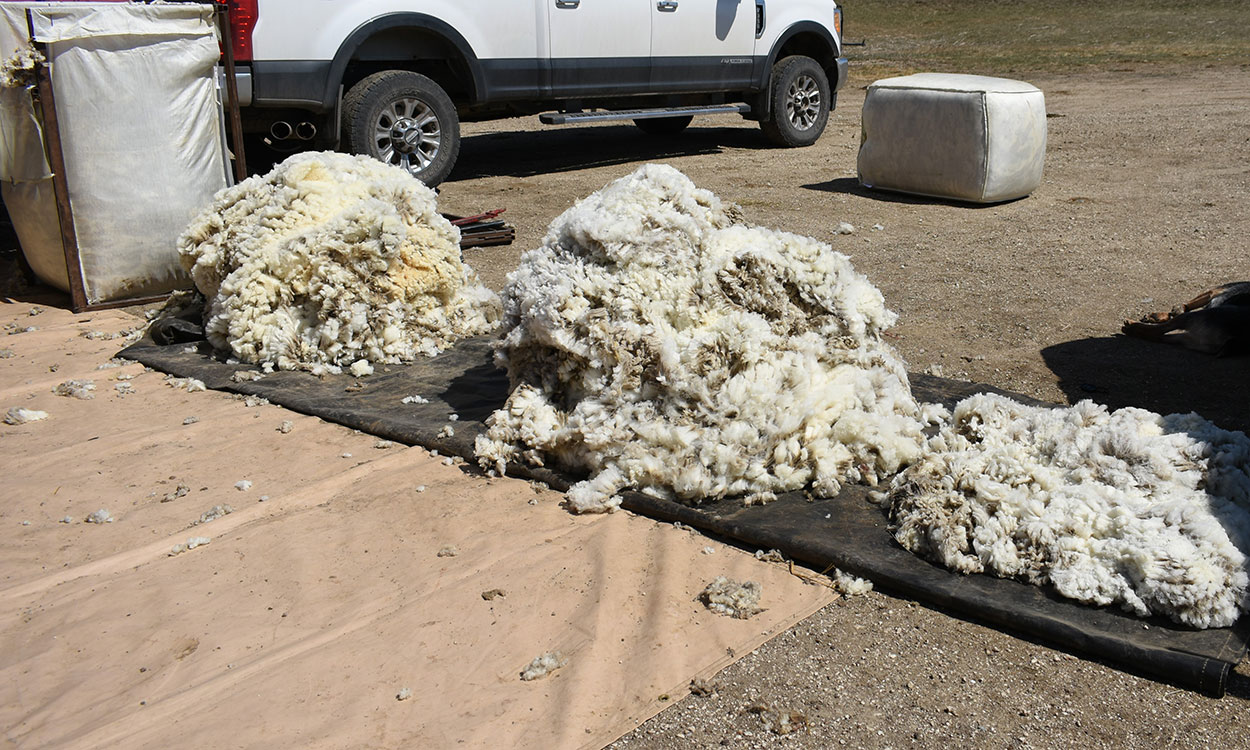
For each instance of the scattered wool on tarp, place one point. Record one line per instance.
(654, 341)
(190, 544)
(728, 597)
(80, 389)
(99, 516)
(543, 665)
(215, 512)
(190, 385)
(1148, 512)
(21, 415)
(330, 260)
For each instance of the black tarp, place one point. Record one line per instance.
(845, 531)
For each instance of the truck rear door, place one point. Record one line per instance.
(600, 47)
(701, 45)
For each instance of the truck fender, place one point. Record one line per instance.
(802, 27)
(393, 21)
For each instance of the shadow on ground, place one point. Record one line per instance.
(1120, 371)
(565, 149)
(852, 186)
(17, 280)
(553, 149)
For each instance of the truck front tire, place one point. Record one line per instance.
(405, 119)
(800, 100)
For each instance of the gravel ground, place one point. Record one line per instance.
(878, 672)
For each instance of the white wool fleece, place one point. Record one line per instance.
(1128, 507)
(331, 259)
(655, 343)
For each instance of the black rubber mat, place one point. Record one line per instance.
(845, 531)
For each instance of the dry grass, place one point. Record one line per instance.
(1016, 37)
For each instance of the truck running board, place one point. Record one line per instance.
(569, 118)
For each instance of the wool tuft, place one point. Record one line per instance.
(330, 260)
(21, 415)
(99, 516)
(190, 385)
(190, 544)
(779, 720)
(849, 585)
(1128, 508)
(18, 71)
(654, 341)
(543, 665)
(727, 597)
(80, 389)
(215, 512)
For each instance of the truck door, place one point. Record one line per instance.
(600, 47)
(702, 44)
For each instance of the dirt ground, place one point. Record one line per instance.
(1143, 205)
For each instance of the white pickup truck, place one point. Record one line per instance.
(394, 78)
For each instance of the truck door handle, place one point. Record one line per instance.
(568, 3)
(666, 6)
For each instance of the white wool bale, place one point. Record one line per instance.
(331, 260)
(972, 138)
(653, 343)
(1147, 512)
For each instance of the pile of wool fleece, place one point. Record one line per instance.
(1126, 507)
(330, 259)
(654, 342)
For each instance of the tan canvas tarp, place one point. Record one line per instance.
(307, 613)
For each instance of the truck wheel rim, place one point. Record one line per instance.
(803, 102)
(407, 134)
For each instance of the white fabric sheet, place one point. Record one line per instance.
(141, 130)
(971, 138)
